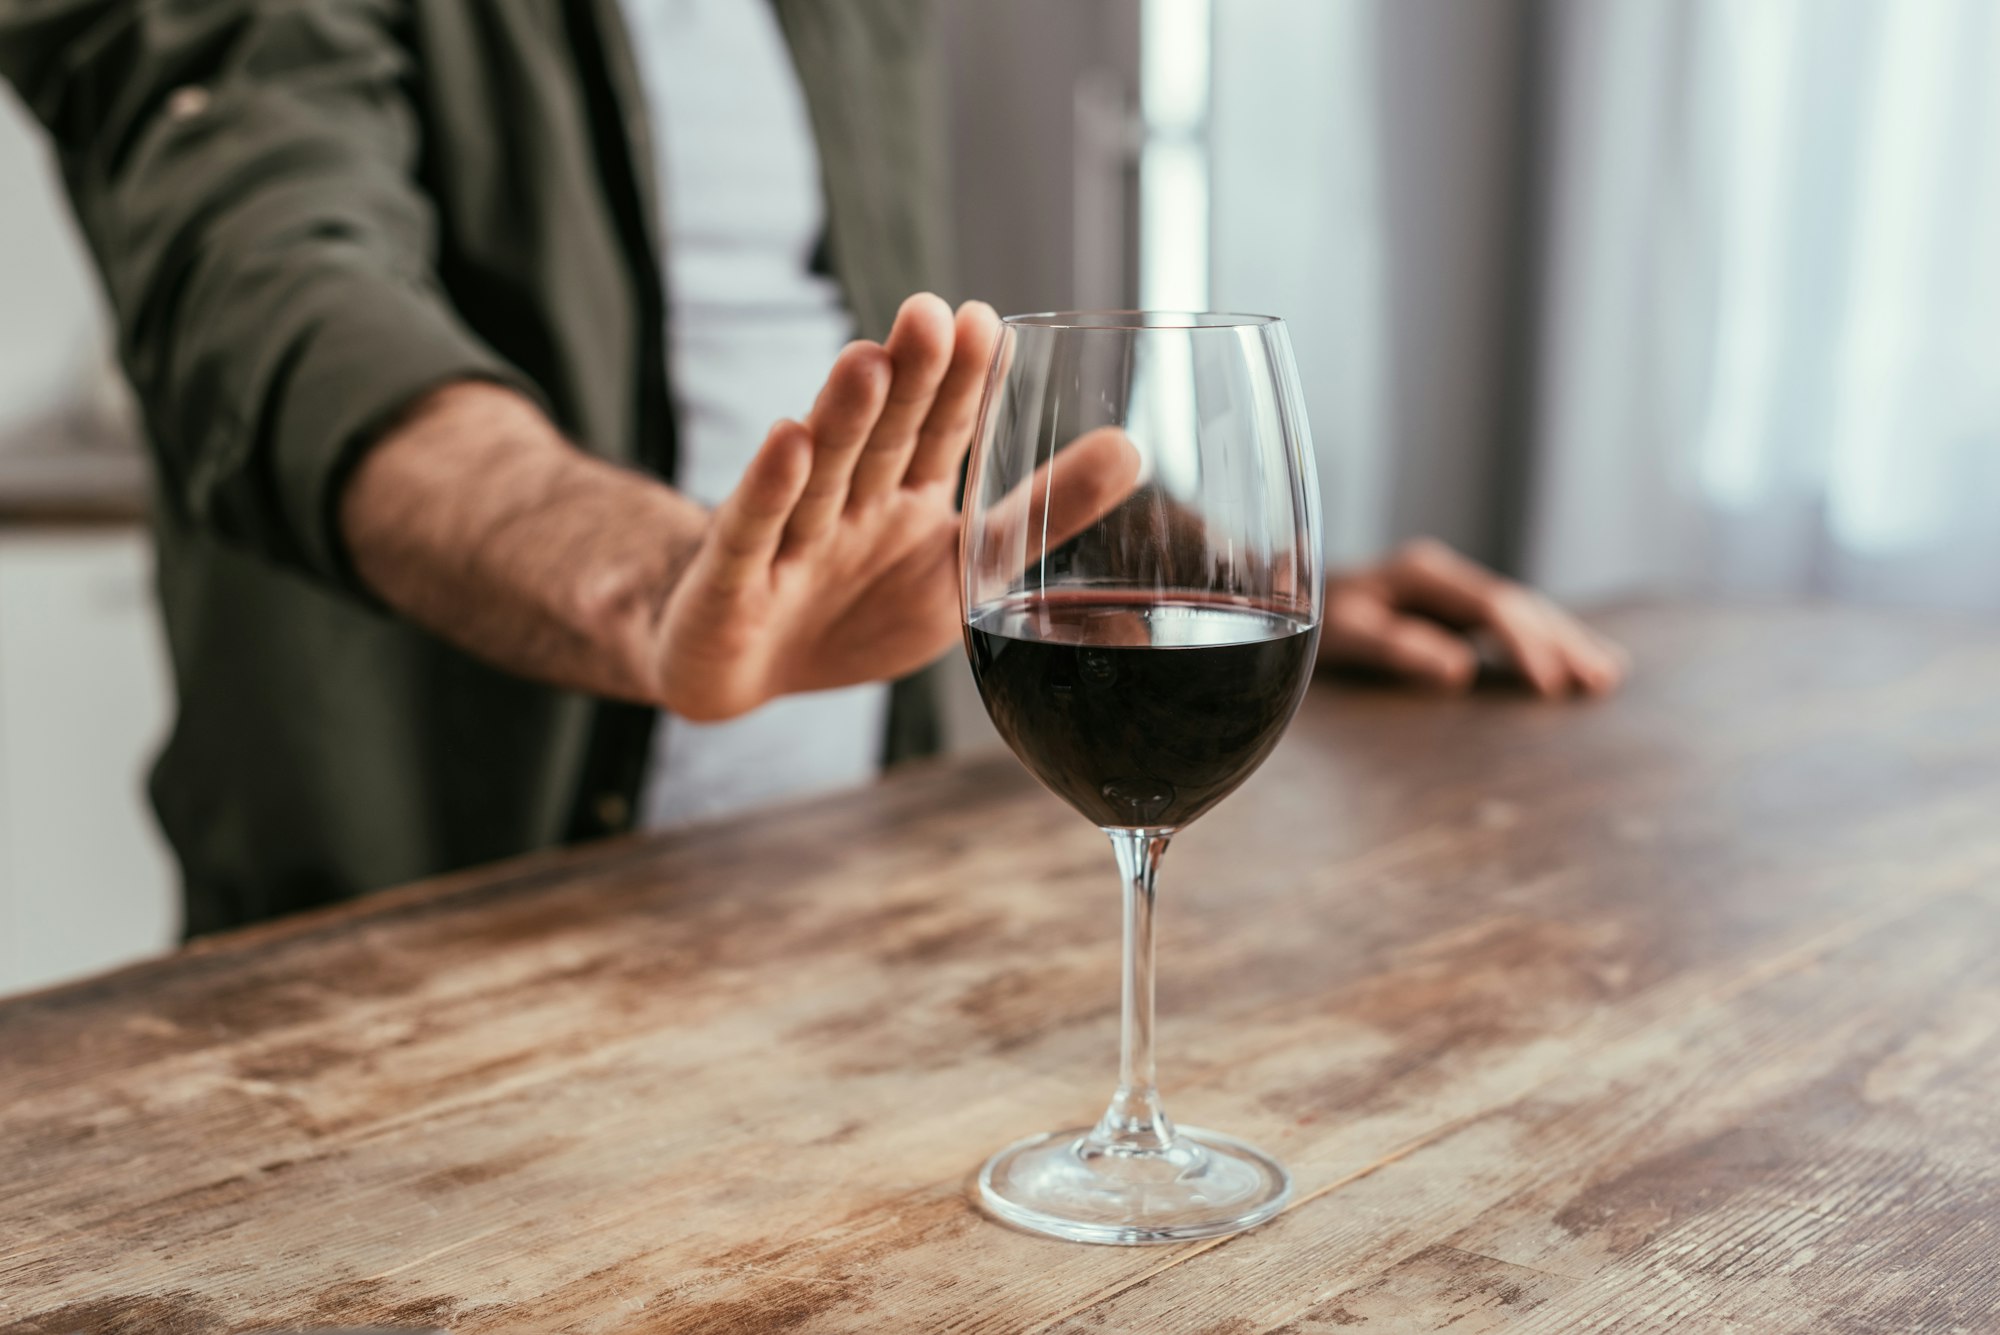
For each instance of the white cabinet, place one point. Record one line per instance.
(85, 880)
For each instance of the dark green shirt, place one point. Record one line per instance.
(307, 213)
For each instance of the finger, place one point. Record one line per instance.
(921, 349)
(947, 431)
(1086, 482)
(1567, 655)
(750, 524)
(1515, 617)
(840, 422)
(1596, 664)
(1361, 629)
(1619, 656)
(1427, 576)
(1083, 482)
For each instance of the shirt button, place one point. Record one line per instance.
(612, 810)
(187, 102)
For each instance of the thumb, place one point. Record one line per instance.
(1361, 629)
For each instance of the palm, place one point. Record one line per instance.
(892, 610)
(877, 601)
(833, 562)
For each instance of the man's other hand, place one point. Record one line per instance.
(1420, 613)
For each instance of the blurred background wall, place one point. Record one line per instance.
(85, 880)
(1693, 297)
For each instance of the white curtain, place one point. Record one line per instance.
(1750, 249)
(1770, 318)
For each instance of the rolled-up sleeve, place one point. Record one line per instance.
(245, 172)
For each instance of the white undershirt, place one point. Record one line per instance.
(752, 332)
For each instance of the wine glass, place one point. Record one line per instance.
(1142, 588)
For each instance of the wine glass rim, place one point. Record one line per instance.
(1136, 320)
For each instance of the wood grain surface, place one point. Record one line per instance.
(1679, 1012)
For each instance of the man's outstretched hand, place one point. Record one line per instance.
(1418, 613)
(835, 559)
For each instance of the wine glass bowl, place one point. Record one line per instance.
(1142, 583)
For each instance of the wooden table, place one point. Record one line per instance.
(1676, 1013)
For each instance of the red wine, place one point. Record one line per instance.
(1139, 713)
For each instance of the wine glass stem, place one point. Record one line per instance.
(1135, 1122)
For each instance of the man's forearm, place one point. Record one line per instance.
(477, 520)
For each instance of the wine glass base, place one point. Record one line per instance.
(1202, 1185)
